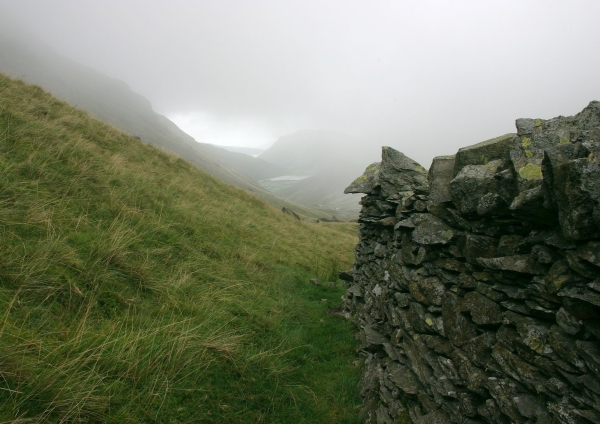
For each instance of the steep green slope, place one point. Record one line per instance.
(112, 101)
(136, 288)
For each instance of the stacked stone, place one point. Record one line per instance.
(476, 286)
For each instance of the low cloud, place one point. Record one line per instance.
(426, 77)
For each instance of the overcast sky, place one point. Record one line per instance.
(427, 77)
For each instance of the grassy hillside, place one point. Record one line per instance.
(112, 101)
(136, 288)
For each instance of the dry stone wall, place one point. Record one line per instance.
(476, 288)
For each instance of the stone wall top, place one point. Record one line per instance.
(476, 286)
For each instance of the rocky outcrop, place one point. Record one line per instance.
(476, 288)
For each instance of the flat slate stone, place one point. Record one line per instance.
(582, 294)
(484, 152)
(441, 173)
(429, 229)
(518, 263)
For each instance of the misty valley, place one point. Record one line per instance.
(210, 212)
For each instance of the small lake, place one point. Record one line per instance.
(288, 178)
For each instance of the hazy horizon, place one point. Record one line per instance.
(427, 78)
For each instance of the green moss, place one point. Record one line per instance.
(531, 171)
(563, 140)
(526, 142)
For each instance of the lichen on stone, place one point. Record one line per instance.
(563, 140)
(531, 171)
(526, 142)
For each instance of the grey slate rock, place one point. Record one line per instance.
(524, 264)
(524, 126)
(577, 194)
(457, 327)
(509, 245)
(484, 152)
(367, 183)
(399, 173)
(403, 378)
(475, 246)
(429, 229)
(544, 254)
(472, 184)
(590, 252)
(582, 294)
(441, 173)
(529, 206)
(568, 322)
(483, 310)
(582, 268)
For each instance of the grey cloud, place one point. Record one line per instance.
(424, 77)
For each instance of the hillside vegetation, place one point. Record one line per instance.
(136, 288)
(112, 101)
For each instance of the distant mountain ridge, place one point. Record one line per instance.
(316, 150)
(256, 168)
(252, 151)
(325, 191)
(333, 160)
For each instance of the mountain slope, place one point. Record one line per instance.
(252, 151)
(317, 150)
(256, 168)
(137, 288)
(334, 160)
(325, 191)
(112, 101)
